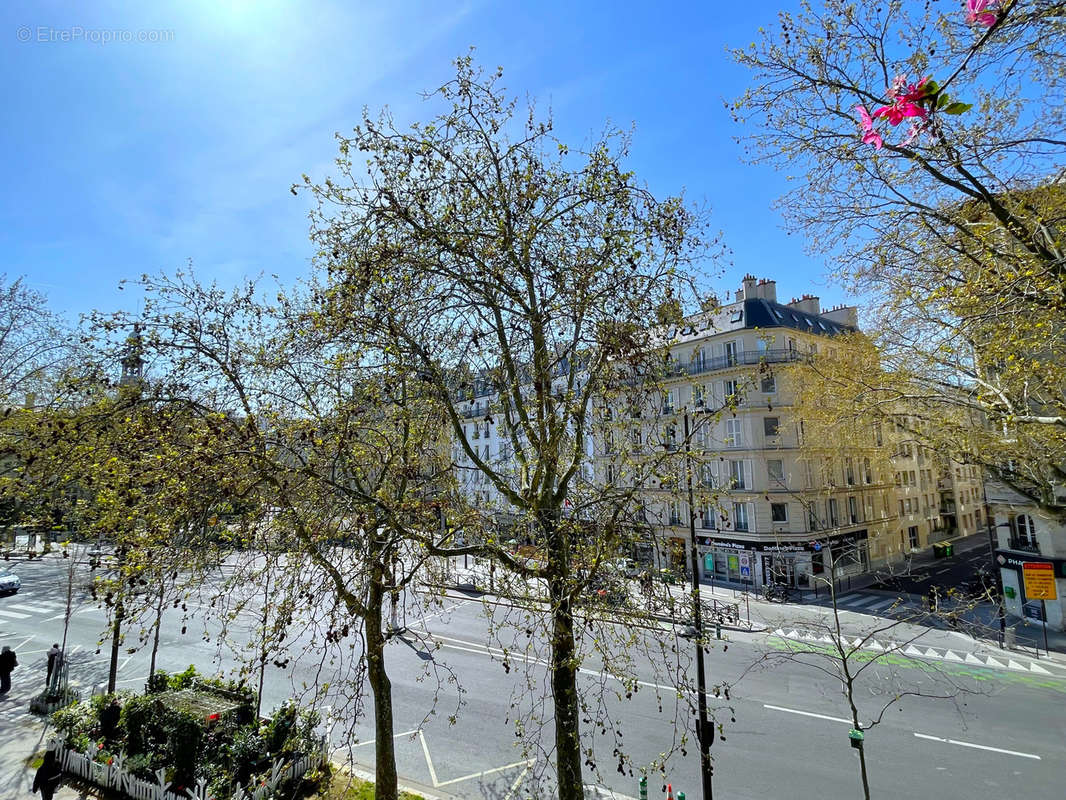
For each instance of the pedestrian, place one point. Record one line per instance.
(8, 662)
(109, 719)
(55, 655)
(48, 776)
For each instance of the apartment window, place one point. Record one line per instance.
(730, 353)
(771, 426)
(853, 509)
(769, 384)
(697, 395)
(731, 390)
(775, 470)
(849, 471)
(779, 512)
(901, 508)
(699, 359)
(670, 439)
(634, 438)
(812, 519)
(675, 514)
(878, 439)
(867, 472)
(736, 475)
(912, 536)
(477, 431)
(610, 474)
(740, 516)
(707, 475)
(1024, 530)
(834, 516)
(707, 517)
(734, 434)
(668, 402)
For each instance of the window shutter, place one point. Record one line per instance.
(748, 483)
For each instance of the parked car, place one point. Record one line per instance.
(9, 582)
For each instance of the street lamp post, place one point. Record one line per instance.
(705, 732)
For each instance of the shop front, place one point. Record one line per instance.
(795, 563)
(1015, 601)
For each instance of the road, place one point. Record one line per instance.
(784, 726)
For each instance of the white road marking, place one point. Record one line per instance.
(863, 601)
(882, 605)
(514, 786)
(444, 611)
(977, 746)
(394, 736)
(806, 713)
(492, 771)
(33, 609)
(429, 761)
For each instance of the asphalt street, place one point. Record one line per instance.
(998, 732)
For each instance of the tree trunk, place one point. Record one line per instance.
(564, 694)
(116, 643)
(385, 784)
(155, 636)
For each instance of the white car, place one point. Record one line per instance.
(9, 582)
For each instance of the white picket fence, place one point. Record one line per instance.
(114, 776)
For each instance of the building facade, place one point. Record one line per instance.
(768, 504)
(1022, 535)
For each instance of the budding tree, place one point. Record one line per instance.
(924, 141)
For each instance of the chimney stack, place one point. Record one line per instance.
(843, 315)
(808, 304)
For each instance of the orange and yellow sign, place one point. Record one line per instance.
(1039, 580)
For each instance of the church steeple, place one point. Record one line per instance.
(133, 361)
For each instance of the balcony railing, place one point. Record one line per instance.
(744, 358)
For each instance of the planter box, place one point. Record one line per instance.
(114, 776)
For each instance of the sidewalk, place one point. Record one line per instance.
(22, 736)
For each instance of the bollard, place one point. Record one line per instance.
(643, 789)
(680, 796)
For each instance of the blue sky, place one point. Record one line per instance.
(126, 157)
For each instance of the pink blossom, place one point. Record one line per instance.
(904, 103)
(982, 12)
(899, 111)
(869, 135)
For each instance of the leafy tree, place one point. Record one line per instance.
(952, 229)
(35, 344)
(336, 451)
(494, 260)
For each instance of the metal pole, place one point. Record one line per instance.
(704, 733)
(1043, 614)
(997, 574)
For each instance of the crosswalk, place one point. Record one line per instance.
(915, 649)
(42, 609)
(876, 603)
